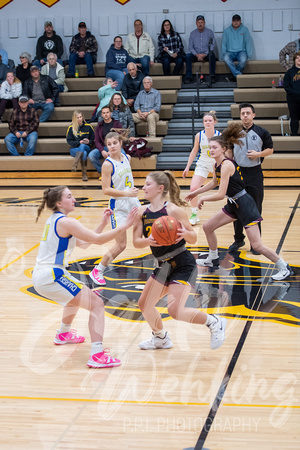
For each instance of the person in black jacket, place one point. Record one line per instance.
(132, 83)
(41, 90)
(291, 84)
(80, 137)
(48, 42)
(83, 50)
(23, 69)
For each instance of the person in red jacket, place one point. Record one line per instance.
(102, 129)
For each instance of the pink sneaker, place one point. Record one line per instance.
(103, 360)
(97, 276)
(70, 337)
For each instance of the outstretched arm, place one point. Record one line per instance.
(192, 156)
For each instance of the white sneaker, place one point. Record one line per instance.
(194, 219)
(282, 274)
(217, 330)
(215, 263)
(156, 342)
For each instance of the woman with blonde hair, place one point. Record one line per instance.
(80, 137)
(176, 270)
(10, 91)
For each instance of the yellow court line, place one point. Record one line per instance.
(141, 402)
(19, 257)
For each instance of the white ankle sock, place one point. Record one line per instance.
(64, 328)
(97, 347)
(210, 319)
(213, 254)
(161, 334)
(101, 268)
(280, 264)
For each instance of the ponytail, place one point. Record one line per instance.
(50, 198)
(167, 180)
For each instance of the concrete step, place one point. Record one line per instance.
(63, 113)
(267, 110)
(262, 95)
(52, 146)
(58, 163)
(91, 97)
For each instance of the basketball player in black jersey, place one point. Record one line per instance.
(240, 204)
(176, 270)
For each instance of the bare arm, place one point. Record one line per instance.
(192, 156)
(227, 170)
(207, 187)
(105, 219)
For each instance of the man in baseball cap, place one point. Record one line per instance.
(83, 50)
(49, 42)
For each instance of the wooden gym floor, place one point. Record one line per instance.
(244, 395)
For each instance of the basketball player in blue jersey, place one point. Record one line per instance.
(117, 182)
(240, 204)
(176, 270)
(204, 164)
(52, 280)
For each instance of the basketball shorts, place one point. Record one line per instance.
(182, 269)
(56, 284)
(121, 207)
(204, 166)
(243, 209)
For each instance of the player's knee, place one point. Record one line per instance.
(206, 227)
(173, 311)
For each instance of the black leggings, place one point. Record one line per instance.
(294, 109)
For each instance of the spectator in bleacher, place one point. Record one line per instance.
(55, 71)
(121, 112)
(80, 137)
(105, 93)
(42, 91)
(147, 106)
(170, 48)
(140, 47)
(4, 56)
(48, 42)
(83, 50)
(236, 46)
(117, 59)
(23, 126)
(3, 71)
(132, 83)
(291, 84)
(23, 69)
(10, 91)
(201, 40)
(102, 129)
(255, 145)
(288, 51)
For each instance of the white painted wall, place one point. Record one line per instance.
(272, 23)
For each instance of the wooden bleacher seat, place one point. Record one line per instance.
(261, 95)
(268, 110)
(273, 126)
(260, 80)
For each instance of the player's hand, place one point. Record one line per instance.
(131, 217)
(181, 233)
(104, 154)
(201, 202)
(106, 216)
(185, 172)
(132, 192)
(190, 197)
(152, 242)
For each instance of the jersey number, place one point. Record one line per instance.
(149, 230)
(127, 182)
(45, 233)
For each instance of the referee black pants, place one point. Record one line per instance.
(254, 185)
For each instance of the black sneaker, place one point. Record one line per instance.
(188, 80)
(254, 252)
(69, 75)
(235, 246)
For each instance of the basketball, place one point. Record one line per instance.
(164, 230)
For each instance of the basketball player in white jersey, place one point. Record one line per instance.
(52, 280)
(204, 164)
(117, 182)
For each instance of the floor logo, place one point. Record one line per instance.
(241, 288)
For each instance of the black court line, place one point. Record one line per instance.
(217, 401)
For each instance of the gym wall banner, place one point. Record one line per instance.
(48, 3)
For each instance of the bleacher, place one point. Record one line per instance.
(52, 151)
(270, 104)
(52, 156)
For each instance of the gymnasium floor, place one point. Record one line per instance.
(244, 395)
